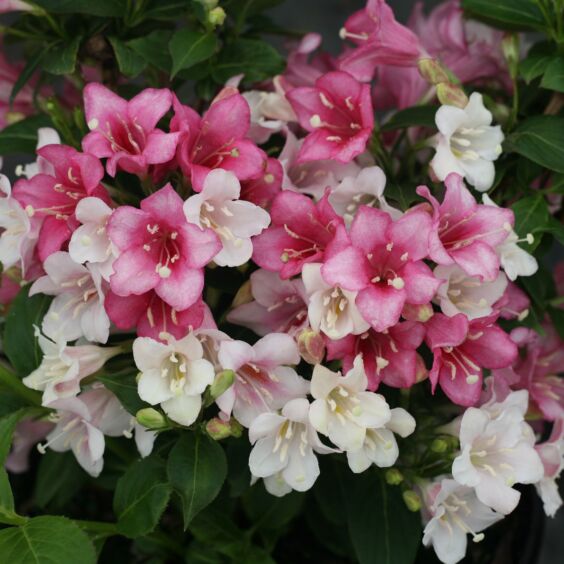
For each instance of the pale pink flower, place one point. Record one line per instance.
(302, 68)
(27, 433)
(551, 453)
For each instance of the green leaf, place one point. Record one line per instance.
(21, 137)
(31, 66)
(245, 9)
(46, 540)
(268, 512)
(129, 62)
(553, 78)
(188, 48)
(166, 9)
(531, 216)
(539, 286)
(61, 59)
(556, 229)
(538, 58)
(540, 139)
(196, 468)
(415, 116)
(254, 58)
(141, 496)
(124, 386)
(153, 48)
(506, 14)
(105, 8)
(20, 344)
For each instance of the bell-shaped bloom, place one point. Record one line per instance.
(343, 410)
(467, 143)
(496, 453)
(551, 453)
(78, 308)
(173, 374)
(331, 309)
(464, 232)
(151, 316)
(514, 304)
(263, 380)
(263, 189)
(53, 197)
(278, 306)
(338, 113)
(465, 294)
(389, 357)
(380, 446)
(160, 250)
(453, 512)
(398, 88)
(90, 241)
(299, 233)
(303, 69)
(63, 367)
(379, 40)
(216, 140)
(27, 434)
(125, 132)
(82, 422)
(461, 349)
(382, 260)
(284, 449)
(218, 208)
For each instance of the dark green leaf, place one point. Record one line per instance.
(268, 512)
(20, 344)
(539, 286)
(61, 59)
(188, 48)
(25, 75)
(557, 318)
(415, 116)
(46, 540)
(531, 216)
(540, 139)
(124, 386)
(553, 78)
(21, 137)
(166, 9)
(244, 9)
(506, 14)
(153, 48)
(129, 62)
(196, 468)
(254, 58)
(107, 8)
(141, 496)
(538, 58)
(556, 229)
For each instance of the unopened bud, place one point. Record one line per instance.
(208, 4)
(510, 48)
(222, 382)
(151, 418)
(311, 346)
(394, 477)
(432, 71)
(244, 295)
(13, 117)
(439, 446)
(421, 313)
(219, 429)
(412, 500)
(451, 95)
(421, 372)
(217, 16)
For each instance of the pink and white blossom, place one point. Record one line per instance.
(551, 453)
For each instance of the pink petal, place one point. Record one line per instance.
(160, 147)
(127, 226)
(53, 235)
(182, 288)
(443, 331)
(380, 306)
(165, 205)
(134, 273)
(369, 228)
(149, 106)
(199, 246)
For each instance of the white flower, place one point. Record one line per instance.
(366, 188)
(235, 221)
(551, 453)
(465, 294)
(331, 310)
(63, 367)
(515, 261)
(455, 512)
(173, 374)
(467, 143)
(90, 241)
(343, 410)
(284, 449)
(380, 446)
(78, 309)
(497, 453)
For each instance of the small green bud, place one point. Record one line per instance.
(223, 381)
(412, 500)
(217, 16)
(311, 346)
(218, 429)
(451, 95)
(432, 71)
(439, 446)
(510, 48)
(151, 418)
(394, 477)
(236, 428)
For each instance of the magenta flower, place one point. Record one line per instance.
(461, 349)
(217, 140)
(125, 131)
(465, 232)
(263, 189)
(388, 357)
(299, 233)
(337, 112)
(382, 260)
(54, 197)
(160, 250)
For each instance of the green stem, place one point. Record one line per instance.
(97, 526)
(10, 380)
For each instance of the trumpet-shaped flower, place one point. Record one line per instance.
(551, 453)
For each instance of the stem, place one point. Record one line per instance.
(97, 526)
(10, 380)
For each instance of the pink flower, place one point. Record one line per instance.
(388, 357)
(13, 6)
(398, 88)
(299, 233)
(160, 250)
(216, 140)
(382, 260)
(514, 304)
(279, 306)
(302, 69)
(551, 453)
(380, 40)
(263, 189)
(465, 232)
(125, 131)
(28, 432)
(461, 349)
(337, 112)
(54, 197)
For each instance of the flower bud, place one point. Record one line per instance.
(394, 477)
(219, 429)
(439, 446)
(510, 48)
(208, 4)
(223, 381)
(451, 95)
(311, 346)
(151, 418)
(421, 313)
(432, 71)
(217, 16)
(421, 372)
(412, 500)
(244, 295)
